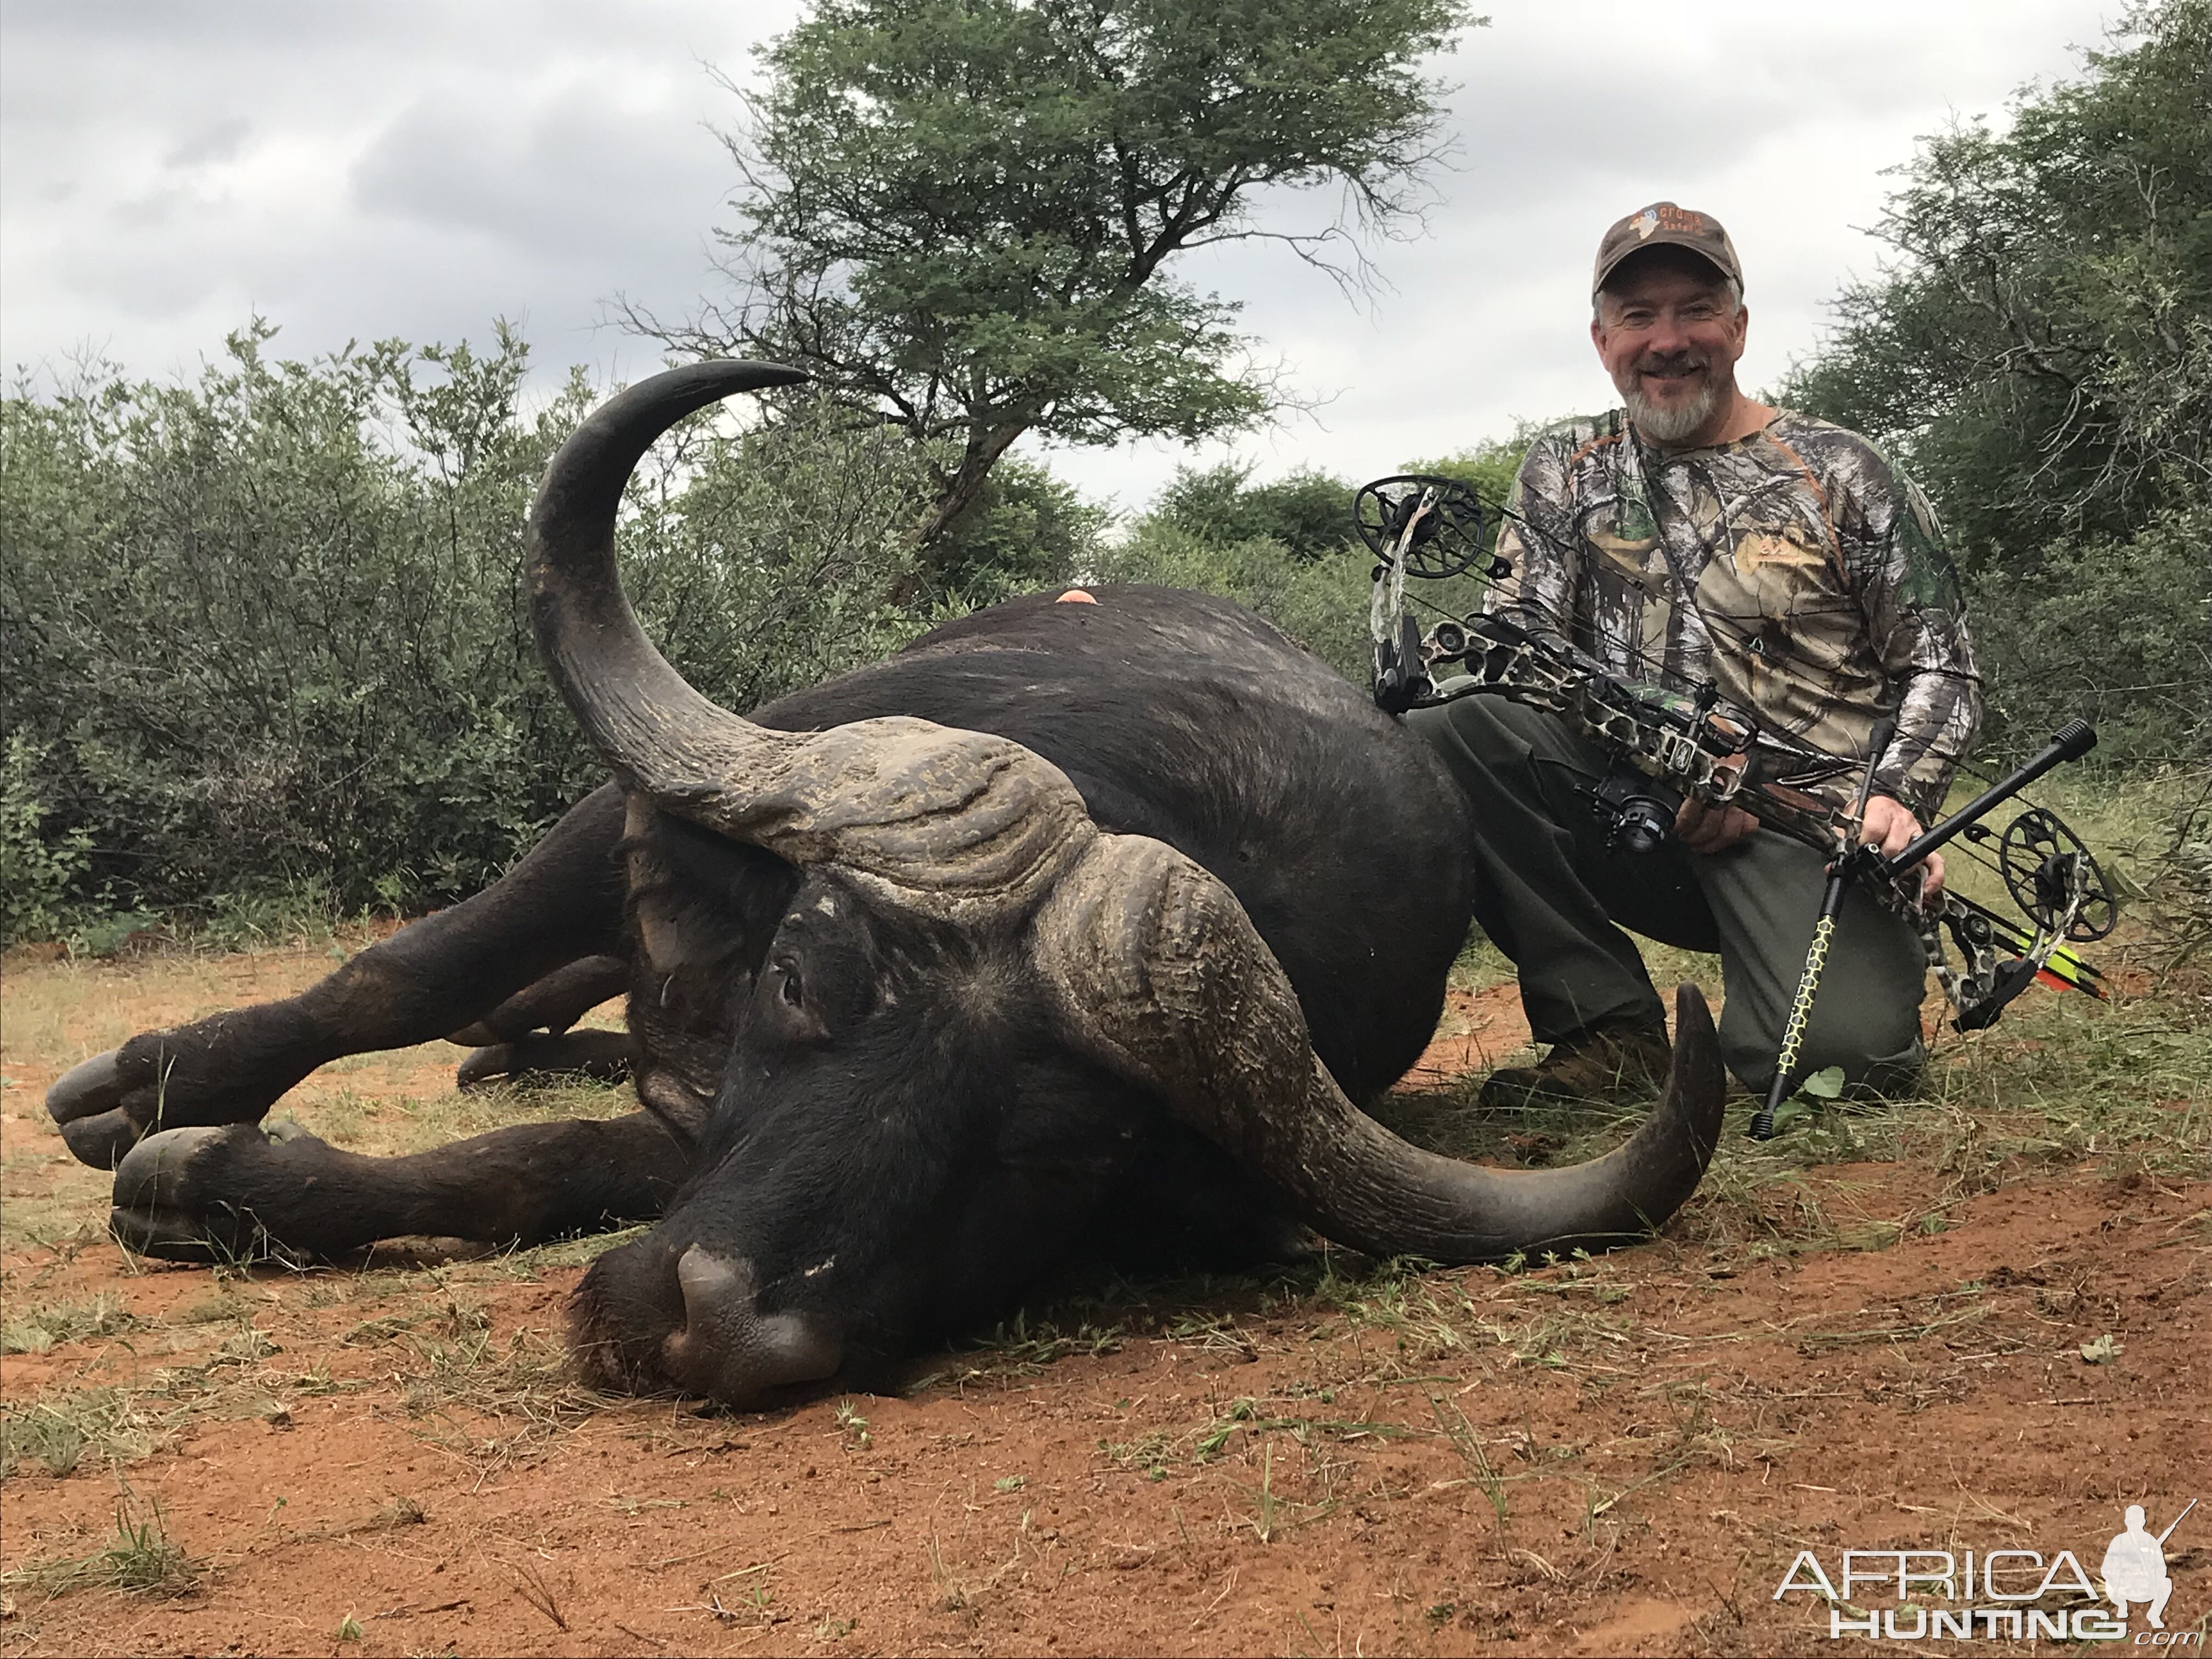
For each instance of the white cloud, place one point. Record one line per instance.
(416, 170)
(400, 170)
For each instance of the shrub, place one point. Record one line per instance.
(38, 874)
(2115, 630)
(263, 632)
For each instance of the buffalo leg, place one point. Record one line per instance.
(562, 901)
(233, 1193)
(529, 1033)
(552, 1005)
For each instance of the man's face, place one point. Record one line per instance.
(1669, 334)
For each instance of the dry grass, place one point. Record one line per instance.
(41, 1327)
(140, 1557)
(62, 1432)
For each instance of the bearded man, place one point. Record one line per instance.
(1698, 535)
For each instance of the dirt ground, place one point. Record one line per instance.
(1994, 1348)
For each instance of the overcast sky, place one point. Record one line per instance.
(170, 167)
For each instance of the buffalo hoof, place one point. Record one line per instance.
(102, 1142)
(85, 1103)
(94, 1087)
(103, 1106)
(178, 1195)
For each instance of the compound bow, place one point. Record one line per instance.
(1667, 746)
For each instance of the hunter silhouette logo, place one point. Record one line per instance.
(2000, 1593)
(2135, 1566)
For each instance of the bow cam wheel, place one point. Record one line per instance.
(1438, 522)
(2041, 860)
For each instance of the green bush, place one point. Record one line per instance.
(263, 632)
(1025, 529)
(1287, 549)
(2116, 630)
(1307, 514)
(1319, 601)
(38, 873)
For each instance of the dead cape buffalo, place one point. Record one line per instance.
(1072, 928)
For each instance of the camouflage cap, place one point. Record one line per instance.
(1664, 225)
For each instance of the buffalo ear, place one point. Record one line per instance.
(782, 1001)
(704, 906)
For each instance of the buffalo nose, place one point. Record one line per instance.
(730, 1350)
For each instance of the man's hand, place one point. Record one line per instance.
(1705, 829)
(1889, 826)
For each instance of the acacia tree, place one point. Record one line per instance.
(2040, 353)
(962, 215)
(2041, 348)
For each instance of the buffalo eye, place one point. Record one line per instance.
(787, 989)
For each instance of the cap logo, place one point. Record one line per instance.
(1665, 222)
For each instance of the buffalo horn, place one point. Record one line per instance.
(1159, 973)
(953, 823)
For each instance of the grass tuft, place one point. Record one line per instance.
(43, 1327)
(58, 1432)
(521, 1390)
(142, 1557)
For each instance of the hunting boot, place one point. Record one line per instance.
(1621, 1059)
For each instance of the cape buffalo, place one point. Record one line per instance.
(1072, 926)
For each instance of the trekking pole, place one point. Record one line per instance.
(2070, 742)
(1840, 872)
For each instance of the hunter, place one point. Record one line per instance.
(1696, 535)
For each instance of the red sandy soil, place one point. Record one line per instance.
(1620, 1456)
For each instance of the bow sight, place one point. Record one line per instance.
(1667, 746)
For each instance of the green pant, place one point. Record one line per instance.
(1549, 892)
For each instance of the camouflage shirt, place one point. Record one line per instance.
(1818, 594)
